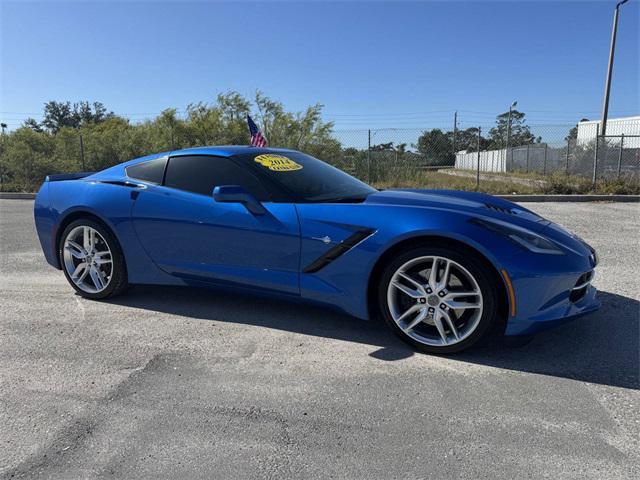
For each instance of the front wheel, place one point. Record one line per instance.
(438, 299)
(92, 260)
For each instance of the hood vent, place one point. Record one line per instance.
(496, 208)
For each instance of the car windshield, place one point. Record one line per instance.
(309, 179)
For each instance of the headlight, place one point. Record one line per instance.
(523, 237)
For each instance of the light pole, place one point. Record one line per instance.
(607, 86)
(515, 102)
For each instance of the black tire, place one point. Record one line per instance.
(484, 279)
(118, 281)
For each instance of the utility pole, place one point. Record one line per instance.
(595, 156)
(515, 102)
(455, 131)
(369, 158)
(478, 158)
(82, 152)
(607, 85)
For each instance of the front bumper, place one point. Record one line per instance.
(544, 303)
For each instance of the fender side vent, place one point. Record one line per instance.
(336, 251)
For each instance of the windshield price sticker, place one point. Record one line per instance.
(277, 163)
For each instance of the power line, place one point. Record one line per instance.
(371, 114)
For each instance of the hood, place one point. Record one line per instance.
(473, 203)
(477, 204)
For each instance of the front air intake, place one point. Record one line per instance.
(580, 289)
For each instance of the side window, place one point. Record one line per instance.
(200, 173)
(151, 171)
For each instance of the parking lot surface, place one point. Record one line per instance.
(179, 383)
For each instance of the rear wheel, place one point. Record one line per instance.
(438, 299)
(92, 260)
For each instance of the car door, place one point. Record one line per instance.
(190, 235)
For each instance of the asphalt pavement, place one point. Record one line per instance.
(182, 383)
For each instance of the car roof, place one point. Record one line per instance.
(228, 150)
(218, 151)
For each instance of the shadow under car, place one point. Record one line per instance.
(602, 347)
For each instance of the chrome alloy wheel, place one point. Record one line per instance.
(88, 259)
(435, 301)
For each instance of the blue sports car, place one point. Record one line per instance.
(443, 268)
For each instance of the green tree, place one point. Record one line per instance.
(573, 133)
(382, 147)
(33, 125)
(34, 150)
(27, 157)
(233, 106)
(520, 132)
(468, 140)
(205, 125)
(302, 131)
(436, 146)
(95, 112)
(58, 115)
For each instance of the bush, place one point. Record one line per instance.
(30, 153)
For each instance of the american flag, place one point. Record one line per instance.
(257, 139)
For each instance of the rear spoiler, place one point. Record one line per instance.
(58, 177)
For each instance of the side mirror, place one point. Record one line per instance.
(237, 194)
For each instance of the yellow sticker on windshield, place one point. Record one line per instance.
(277, 163)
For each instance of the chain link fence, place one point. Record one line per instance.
(399, 157)
(607, 158)
(554, 158)
(393, 156)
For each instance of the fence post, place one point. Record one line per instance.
(595, 157)
(369, 158)
(478, 166)
(513, 167)
(527, 169)
(544, 165)
(566, 166)
(82, 153)
(620, 155)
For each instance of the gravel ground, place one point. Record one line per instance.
(178, 383)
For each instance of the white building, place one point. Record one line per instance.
(615, 126)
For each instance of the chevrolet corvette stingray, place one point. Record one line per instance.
(443, 268)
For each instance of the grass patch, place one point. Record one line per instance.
(556, 184)
(437, 180)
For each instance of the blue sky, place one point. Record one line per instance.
(372, 64)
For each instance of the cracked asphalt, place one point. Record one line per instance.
(178, 383)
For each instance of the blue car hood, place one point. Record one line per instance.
(472, 203)
(475, 204)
